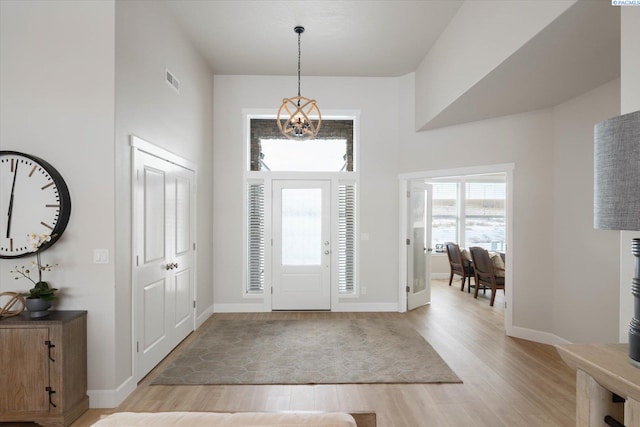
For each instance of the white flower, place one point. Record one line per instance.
(37, 240)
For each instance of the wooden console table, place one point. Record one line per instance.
(43, 368)
(603, 369)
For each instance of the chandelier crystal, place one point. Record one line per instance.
(299, 118)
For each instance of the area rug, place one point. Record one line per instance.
(319, 351)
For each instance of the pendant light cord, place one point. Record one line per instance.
(299, 34)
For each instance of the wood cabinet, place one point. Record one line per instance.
(602, 370)
(43, 368)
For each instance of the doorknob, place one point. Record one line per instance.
(171, 266)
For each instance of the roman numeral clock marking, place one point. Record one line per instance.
(34, 198)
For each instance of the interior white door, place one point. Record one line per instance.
(301, 271)
(163, 279)
(418, 246)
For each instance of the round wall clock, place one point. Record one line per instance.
(33, 199)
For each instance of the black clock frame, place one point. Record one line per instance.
(65, 201)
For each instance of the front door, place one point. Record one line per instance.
(301, 245)
(164, 287)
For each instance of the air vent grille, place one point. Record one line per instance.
(172, 80)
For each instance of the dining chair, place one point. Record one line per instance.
(458, 264)
(485, 273)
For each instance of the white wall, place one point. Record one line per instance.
(472, 45)
(56, 102)
(76, 78)
(523, 139)
(552, 151)
(377, 100)
(147, 41)
(630, 101)
(586, 261)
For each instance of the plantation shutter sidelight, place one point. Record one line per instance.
(255, 238)
(346, 238)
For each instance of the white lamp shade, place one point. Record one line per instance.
(617, 173)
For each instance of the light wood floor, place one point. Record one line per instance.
(506, 381)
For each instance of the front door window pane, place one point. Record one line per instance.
(301, 226)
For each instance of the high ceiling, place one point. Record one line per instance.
(342, 37)
(577, 52)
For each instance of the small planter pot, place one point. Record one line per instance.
(37, 307)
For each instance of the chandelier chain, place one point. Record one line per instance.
(299, 53)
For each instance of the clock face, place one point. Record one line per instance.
(33, 199)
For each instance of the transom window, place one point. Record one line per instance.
(330, 151)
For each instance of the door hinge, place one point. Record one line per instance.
(272, 290)
(408, 194)
(137, 346)
(194, 303)
(194, 246)
(408, 289)
(408, 241)
(51, 392)
(49, 346)
(137, 261)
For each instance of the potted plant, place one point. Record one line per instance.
(38, 299)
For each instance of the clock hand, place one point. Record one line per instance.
(13, 188)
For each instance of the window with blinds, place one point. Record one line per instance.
(255, 238)
(444, 213)
(485, 215)
(346, 238)
(470, 210)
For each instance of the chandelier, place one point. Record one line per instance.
(299, 117)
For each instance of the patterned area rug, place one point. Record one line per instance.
(323, 351)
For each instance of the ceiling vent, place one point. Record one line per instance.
(172, 80)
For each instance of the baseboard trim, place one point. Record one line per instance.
(204, 316)
(536, 336)
(341, 307)
(366, 306)
(239, 308)
(111, 398)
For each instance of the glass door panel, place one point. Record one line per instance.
(301, 226)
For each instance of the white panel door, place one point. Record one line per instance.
(164, 258)
(301, 277)
(418, 246)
